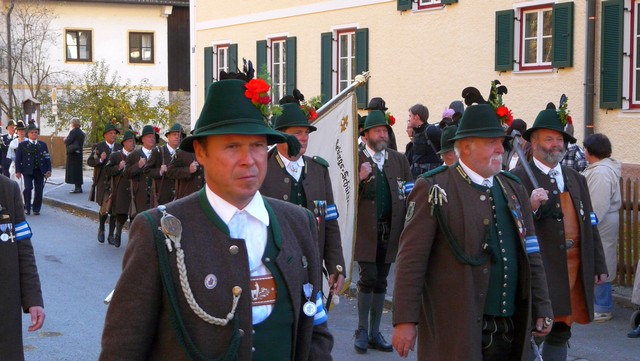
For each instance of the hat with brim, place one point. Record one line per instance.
(292, 116)
(10, 123)
(32, 126)
(109, 127)
(227, 111)
(176, 128)
(479, 121)
(20, 125)
(129, 134)
(447, 134)
(548, 119)
(375, 118)
(376, 103)
(148, 129)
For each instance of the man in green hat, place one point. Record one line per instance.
(566, 227)
(187, 173)
(120, 192)
(100, 189)
(163, 188)
(447, 153)
(305, 181)
(469, 273)
(33, 161)
(253, 289)
(136, 162)
(5, 161)
(385, 181)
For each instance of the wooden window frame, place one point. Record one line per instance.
(89, 46)
(352, 58)
(281, 83)
(539, 65)
(217, 49)
(141, 35)
(428, 4)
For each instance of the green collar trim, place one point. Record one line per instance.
(273, 225)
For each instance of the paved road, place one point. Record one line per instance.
(77, 273)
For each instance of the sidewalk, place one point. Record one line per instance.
(56, 193)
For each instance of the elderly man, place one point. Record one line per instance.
(385, 180)
(251, 261)
(566, 227)
(74, 143)
(468, 271)
(305, 181)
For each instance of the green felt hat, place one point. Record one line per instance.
(479, 121)
(149, 129)
(228, 111)
(176, 128)
(548, 119)
(129, 134)
(375, 118)
(32, 126)
(447, 134)
(20, 125)
(110, 127)
(292, 116)
(10, 123)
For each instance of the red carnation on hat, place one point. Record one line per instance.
(390, 118)
(156, 129)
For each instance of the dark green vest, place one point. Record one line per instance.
(273, 337)
(503, 241)
(297, 195)
(383, 196)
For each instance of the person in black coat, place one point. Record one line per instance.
(5, 140)
(74, 142)
(34, 162)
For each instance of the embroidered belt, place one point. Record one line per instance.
(263, 290)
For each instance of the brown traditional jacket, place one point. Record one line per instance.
(100, 178)
(445, 296)
(398, 174)
(317, 189)
(185, 181)
(163, 188)
(140, 182)
(120, 186)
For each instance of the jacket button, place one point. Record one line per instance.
(241, 332)
(233, 249)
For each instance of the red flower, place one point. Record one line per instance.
(257, 89)
(569, 120)
(265, 99)
(156, 129)
(392, 120)
(502, 111)
(312, 114)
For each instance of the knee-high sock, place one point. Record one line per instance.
(364, 305)
(376, 313)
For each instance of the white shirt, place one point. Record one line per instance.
(288, 165)
(380, 163)
(255, 240)
(147, 152)
(109, 144)
(171, 150)
(544, 169)
(475, 177)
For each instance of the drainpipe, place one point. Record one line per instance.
(589, 93)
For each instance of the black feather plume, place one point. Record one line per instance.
(472, 95)
(551, 106)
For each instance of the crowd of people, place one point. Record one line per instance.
(500, 243)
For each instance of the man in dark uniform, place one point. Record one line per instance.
(426, 141)
(566, 227)
(187, 173)
(74, 142)
(121, 192)
(385, 181)
(100, 188)
(252, 261)
(469, 272)
(5, 161)
(19, 280)
(34, 163)
(134, 171)
(163, 188)
(305, 181)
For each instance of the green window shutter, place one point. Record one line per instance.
(291, 64)
(326, 69)
(562, 35)
(233, 58)
(448, 2)
(404, 5)
(504, 40)
(261, 56)
(611, 54)
(208, 68)
(362, 64)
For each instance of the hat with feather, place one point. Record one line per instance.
(553, 119)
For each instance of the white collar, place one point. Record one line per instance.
(226, 210)
(286, 161)
(372, 152)
(110, 145)
(171, 150)
(475, 177)
(544, 169)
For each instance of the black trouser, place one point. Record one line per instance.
(31, 181)
(373, 275)
(497, 338)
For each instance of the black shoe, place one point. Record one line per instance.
(77, 190)
(362, 340)
(27, 212)
(635, 333)
(36, 213)
(101, 236)
(379, 343)
(116, 241)
(110, 239)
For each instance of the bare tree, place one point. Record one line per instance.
(24, 50)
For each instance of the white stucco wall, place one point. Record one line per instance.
(423, 57)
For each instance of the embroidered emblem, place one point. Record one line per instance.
(211, 281)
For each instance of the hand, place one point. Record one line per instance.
(541, 330)
(37, 318)
(193, 167)
(103, 156)
(48, 174)
(404, 338)
(142, 162)
(163, 169)
(18, 175)
(365, 170)
(600, 279)
(339, 283)
(539, 196)
(121, 164)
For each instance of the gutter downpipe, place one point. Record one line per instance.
(589, 93)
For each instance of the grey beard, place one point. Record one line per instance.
(379, 146)
(553, 159)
